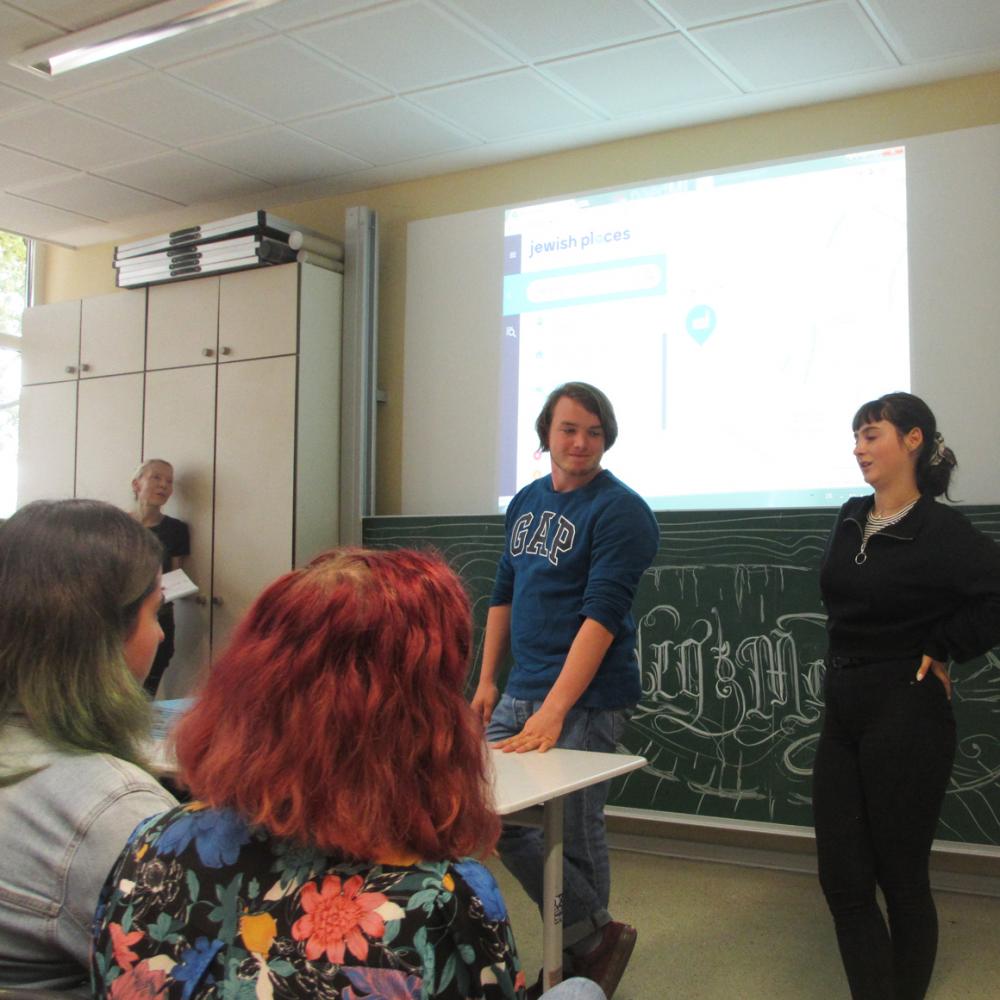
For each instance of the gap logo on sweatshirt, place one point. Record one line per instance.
(552, 536)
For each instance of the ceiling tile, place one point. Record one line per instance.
(98, 198)
(21, 215)
(542, 29)
(23, 169)
(688, 13)
(14, 100)
(795, 46)
(72, 15)
(67, 137)
(659, 73)
(279, 156)
(211, 38)
(21, 31)
(58, 87)
(185, 179)
(279, 78)
(406, 46)
(934, 30)
(387, 132)
(149, 105)
(505, 105)
(295, 13)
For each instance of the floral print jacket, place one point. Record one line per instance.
(202, 905)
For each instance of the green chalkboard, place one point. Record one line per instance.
(731, 643)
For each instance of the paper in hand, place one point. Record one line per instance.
(177, 584)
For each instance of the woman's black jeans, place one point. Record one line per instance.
(164, 651)
(884, 758)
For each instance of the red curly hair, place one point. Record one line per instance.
(336, 718)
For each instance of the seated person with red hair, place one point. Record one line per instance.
(341, 785)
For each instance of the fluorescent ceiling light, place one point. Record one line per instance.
(129, 32)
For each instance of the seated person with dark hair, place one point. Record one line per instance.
(79, 595)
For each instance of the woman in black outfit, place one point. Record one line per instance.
(152, 487)
(909, 585)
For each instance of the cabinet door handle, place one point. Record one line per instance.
(71, 369)
(200, 599)
(217, 601)
(207, 351)
(85, 368)
(225, 350)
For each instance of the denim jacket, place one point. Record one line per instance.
(61, 830)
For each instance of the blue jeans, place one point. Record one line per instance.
(586, 869)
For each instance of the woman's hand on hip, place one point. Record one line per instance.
(939, 669)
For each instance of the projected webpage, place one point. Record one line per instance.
(736, 322)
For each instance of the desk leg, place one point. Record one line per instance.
(552, 894)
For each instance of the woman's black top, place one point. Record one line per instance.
(930, 584)
(174, 537)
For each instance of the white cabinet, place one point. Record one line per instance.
(253, 432)
(113, 334)
(180, 427)
(239, 389)
(81, 421)
(50, 350)
(257, 314)
(182, 326)
(108, 437)
(46, 455)
(254, 485)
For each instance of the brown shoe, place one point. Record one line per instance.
(606, 963)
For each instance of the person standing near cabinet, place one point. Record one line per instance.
(152, 487)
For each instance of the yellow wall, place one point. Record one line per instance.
(940, 107)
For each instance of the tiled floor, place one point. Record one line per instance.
(710, 931)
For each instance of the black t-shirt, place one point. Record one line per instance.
(174, 537)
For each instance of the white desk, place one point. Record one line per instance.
(522, 782)
(525, 780)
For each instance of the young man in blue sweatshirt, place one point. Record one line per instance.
(577, 544)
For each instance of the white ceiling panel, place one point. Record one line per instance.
(295, 13)
(73, 139)
(643, 76)
(795, 46)
(72, 15)
(688, 13)
(160, 107)
(97, 197)
(279, 156)
(23, 170)
(205, 41)
(22, 31)
(14, 100)
(331, 96)
(22, 215)
(184, 179)
(506, 105)
(387, 132)
(406, 46)
(59, 87)
(279, 78)
(931, 30)
(543, 29)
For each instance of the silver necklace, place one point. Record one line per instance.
(876, 522)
